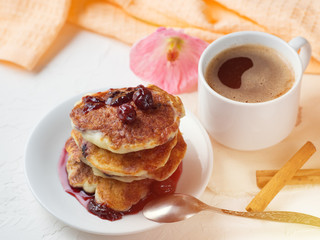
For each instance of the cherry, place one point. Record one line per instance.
(92, 103)
(118, 98)
(142, 98)
(127, 113)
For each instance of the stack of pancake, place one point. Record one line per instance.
(117, 160)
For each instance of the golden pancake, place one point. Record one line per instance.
(129, 164)
(176, 156)
(79, 174)
(153, 127)
(119, 196)
(159, 174)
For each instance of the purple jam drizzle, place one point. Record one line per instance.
(92, 103)
(118, 98)
(141, 96)
(231, 71)
(158, 189)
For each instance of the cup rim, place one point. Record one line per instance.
(239, 34)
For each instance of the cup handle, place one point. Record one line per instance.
(302, 44)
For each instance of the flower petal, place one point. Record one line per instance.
(148, 60)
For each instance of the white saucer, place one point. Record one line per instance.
(41, 167)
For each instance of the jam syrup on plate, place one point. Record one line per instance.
(158, 189)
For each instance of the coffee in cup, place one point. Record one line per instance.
(259, 122)
(250, 73)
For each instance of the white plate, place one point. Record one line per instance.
(41, 167)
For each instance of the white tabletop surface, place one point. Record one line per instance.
(78, 62)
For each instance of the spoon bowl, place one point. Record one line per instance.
(177, 207)
(173, 208)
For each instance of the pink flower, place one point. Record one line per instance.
(168, 59)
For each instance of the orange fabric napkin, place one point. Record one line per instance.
(28, 27)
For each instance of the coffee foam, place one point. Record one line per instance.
(270, 77)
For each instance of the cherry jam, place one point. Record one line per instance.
(126, 113)
(117, 98)
(141, 96)
(92, 103)
(158, 189)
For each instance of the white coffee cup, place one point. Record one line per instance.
(252, 126)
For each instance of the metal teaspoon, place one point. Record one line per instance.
(177, 207)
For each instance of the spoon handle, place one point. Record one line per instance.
(277, 216)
